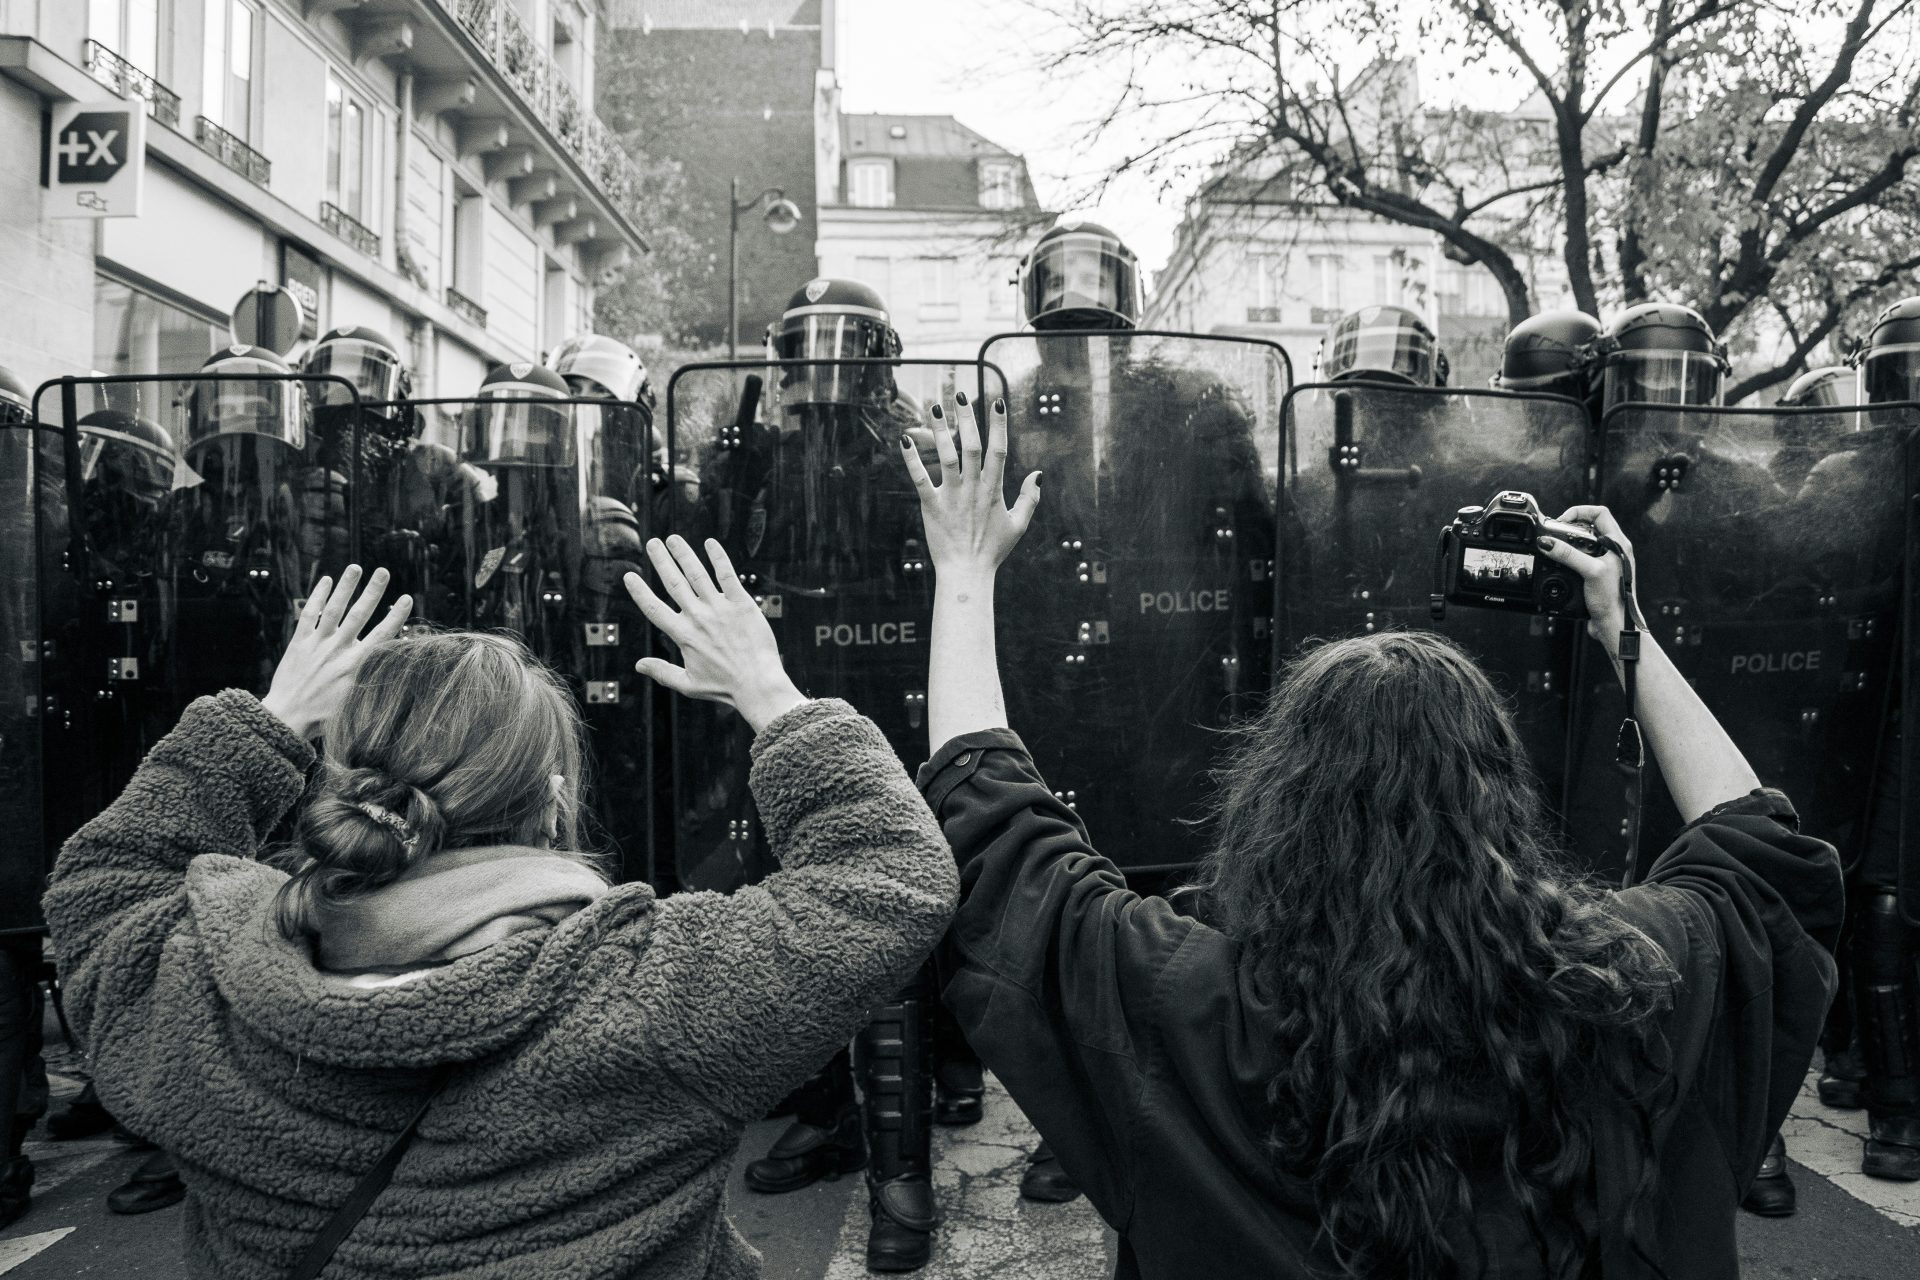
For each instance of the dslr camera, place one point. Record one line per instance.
(1489, 558)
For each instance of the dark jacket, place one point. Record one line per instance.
(607, 1066)
(1141, 1049)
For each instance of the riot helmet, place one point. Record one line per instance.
(1545, 353)
(834, 320)
(509, 426)
(1829, 387)
(1383, 343)
(257, 395)
(125, 453)
(363, 357)
(16, 403)
(1889, 360)
(598, 367)
(1662, 353)
(1081, 277)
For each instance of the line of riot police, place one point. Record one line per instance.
(1204, 518)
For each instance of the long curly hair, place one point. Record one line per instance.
(1383, 858)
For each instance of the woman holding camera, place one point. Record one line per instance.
(1408, 1041)
(580, 1061)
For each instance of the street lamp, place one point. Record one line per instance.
(782, 215)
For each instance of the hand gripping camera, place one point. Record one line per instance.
(1489, 558)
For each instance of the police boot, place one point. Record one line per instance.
(824, 1139)
(897, 1083)
(154, 1185)
(1771, 1195)
(1841, 1076)
(1888, 993)
(959, 1093)
(1045, 1180)
(16, 1183)
(84, 1117)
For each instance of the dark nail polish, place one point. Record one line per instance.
(906, 442)
(1546, 544)
(1038, 479)
(938, 412)
(960, 397)
(999, 405)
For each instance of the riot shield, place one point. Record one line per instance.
(799, 477)
(203, 508)
(1769, 546)
(1372, 473)
(522, 515)
(1909, 806)
(1134, 618)
(24, 859)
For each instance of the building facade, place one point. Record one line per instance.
(935, 217)
(428, 168)
(1258, 256)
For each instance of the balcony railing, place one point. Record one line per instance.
(466, 308)
(127, 80)
(349, 228)
(1263, 315)
(497, 27)
(1325, 315)
(232, 152)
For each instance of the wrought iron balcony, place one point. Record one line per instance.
(349, 228)
(466, 308)
(1263, 315)
(497, 27)
(127, 80)
(232, 152)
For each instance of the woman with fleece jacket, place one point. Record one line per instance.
(602, 1050)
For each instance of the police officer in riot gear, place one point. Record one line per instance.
(1829, 387)
(1543, 353)
(1383, 344)
(817, 510)
(1660, 353)
(1882, 1067)
(1081, 276)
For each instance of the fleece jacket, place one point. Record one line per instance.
(605, 1068)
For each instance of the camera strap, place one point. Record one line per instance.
(1629, 752)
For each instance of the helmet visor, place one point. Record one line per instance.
(13, 411)
(1662, 377)
(1385, 350)
(520, 433)
(808, 345)
(1889, 374)
(373, 370)
(275, 409)
(124, 462)
(1082, 273)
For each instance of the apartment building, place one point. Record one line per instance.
(431, 168)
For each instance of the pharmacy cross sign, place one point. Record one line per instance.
(95, 157)
(92, 148)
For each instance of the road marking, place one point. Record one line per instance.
(22, 1248)
(1828, 1142)
(58, 1162)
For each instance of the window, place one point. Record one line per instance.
(1003, 285)
(469, 241)
(226, 90)
(135, 332)
(1326, 269)
(870, 183)
(131, 28)
(939, 288)
(876, 274)
(1386, 280)
(348, 153)
(999, 184)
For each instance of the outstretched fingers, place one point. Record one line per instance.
(671, 578)
(362, 609)
(665, 673)
(916, 469)
(994, 471)
(943, 443)
(698, 580)
(723, 574)
(337, 602)
(655, 610)
(969, 432)
(1025, 503)
(391, 625)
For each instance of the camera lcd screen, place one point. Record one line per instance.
(1496, 573)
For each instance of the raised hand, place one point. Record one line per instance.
(327, 649)
(1600, 575)
(727, 649)
(970, 527)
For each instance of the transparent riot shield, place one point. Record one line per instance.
(1134, 617)
(1769, 546)
(799, 477)
(23, 849)
(522, 515)
(203, 507)
(1372, 473)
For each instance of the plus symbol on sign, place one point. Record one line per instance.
(96, 149)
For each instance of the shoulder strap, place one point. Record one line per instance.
(371, 1184)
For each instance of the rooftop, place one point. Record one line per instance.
(938, 137)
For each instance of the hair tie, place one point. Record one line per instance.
(386, 818)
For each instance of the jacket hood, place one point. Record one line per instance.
(455, 1012)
